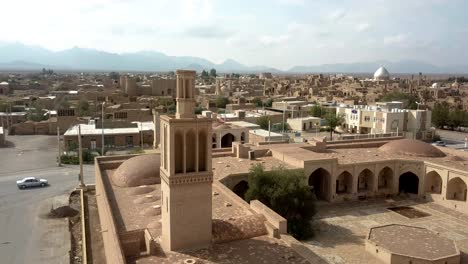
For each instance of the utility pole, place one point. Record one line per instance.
(269, 130)
(80, 156)
(59, 158)
(102, 129)
(141, 135)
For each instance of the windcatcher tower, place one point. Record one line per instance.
(186, 172)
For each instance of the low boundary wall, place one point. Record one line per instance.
(84, 245)
(112, 246)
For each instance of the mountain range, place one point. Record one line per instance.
(17, 56)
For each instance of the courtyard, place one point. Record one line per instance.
(341, 229)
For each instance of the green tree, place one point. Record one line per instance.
(268, 102)
(222, 101)
(286, 193)
(456, 118)
(399, 96)
(333, 120)
(198, 110)
(205, 75)
(440, 115)
(114, 75)
(263, 122)
(83, 107)
(213, 73)
(258, 102)
(317, 111)
(171, 109)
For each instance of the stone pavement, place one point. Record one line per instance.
(341, 229)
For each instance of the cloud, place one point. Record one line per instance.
(395, 39)
(268, 40)
(337, 14)
(208, 32)
(291, 2)
(362, 27)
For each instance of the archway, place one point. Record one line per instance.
(433, 183)
(190, 151)
(241, 188)
(385, 178)
(408, 183)
(319, 180)
(243, 137)
(226, 140)
(213, 140)
(344, 183)
(456, 189)
(365, 181)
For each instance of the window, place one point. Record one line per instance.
(120, 115)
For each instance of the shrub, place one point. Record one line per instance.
(286, 193)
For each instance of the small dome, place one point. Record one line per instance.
(381, 74)
(139, 170)
(412, 147)
(435, 86)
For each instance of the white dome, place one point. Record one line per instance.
(435, 86)
(381, 74)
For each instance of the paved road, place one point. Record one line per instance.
(20, 229)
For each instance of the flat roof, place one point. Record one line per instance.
(243, 124)
(13, 113)
(413, 241)
(87, 129)
(264, 133)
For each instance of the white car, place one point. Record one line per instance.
(31, 182)
(439, 143)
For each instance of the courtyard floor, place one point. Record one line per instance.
(341, 229)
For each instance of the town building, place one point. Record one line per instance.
(304, 123)
(377, 120)
(2, 137)
(117, 135)
(4, 88)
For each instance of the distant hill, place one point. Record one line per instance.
(91, 59)
(22, 57)
(407, 66)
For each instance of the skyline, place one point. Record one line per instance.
(303, 32)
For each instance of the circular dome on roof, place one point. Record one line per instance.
(435, 86)
(139, 170)
(381, 74)
(412, 147)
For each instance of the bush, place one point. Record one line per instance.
(136, 151)
(88, 158)
(286, 193)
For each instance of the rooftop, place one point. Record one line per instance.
(138, 207)
(412, 241)
(90, 129)
(243, 124)
(264, 133)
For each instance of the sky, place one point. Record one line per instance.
(276, 33)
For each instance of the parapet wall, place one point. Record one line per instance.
(271, 216)
(112, 247)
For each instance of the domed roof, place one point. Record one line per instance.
(435, 85)
(139, 170)
(381, 73)
(412, 147)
